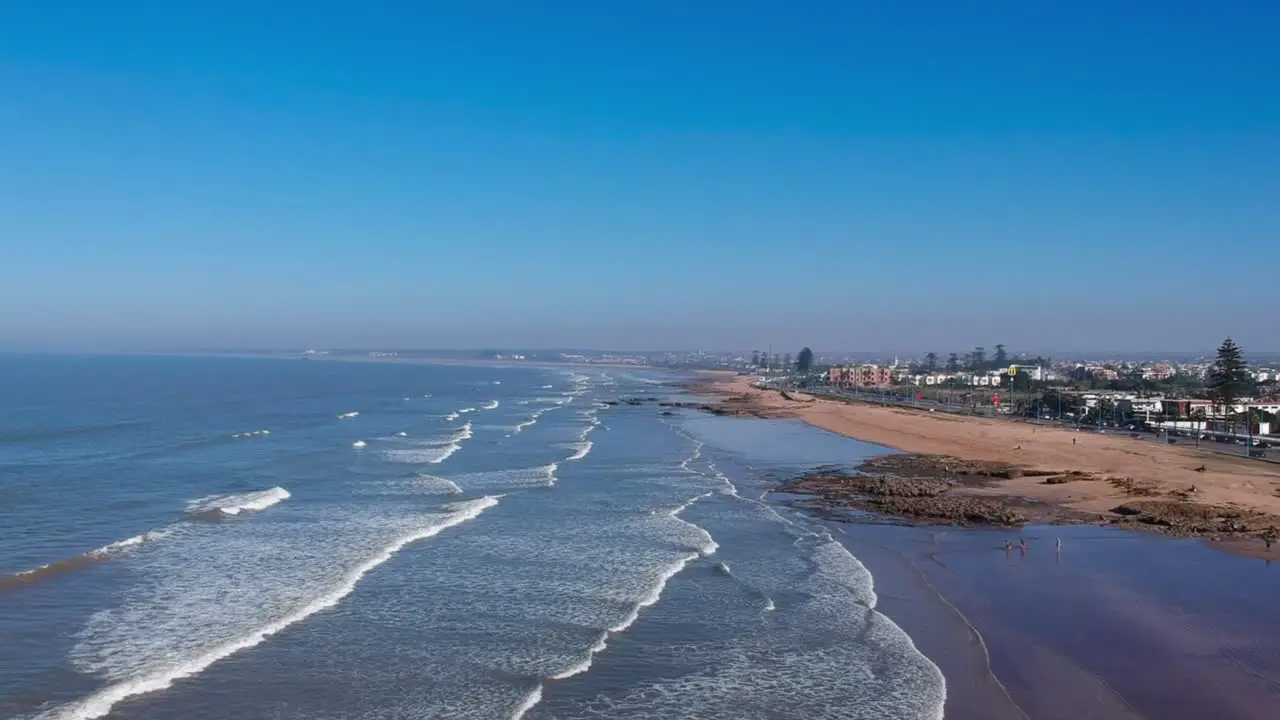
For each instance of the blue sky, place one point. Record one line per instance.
(864, 176)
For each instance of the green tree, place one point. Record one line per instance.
(1002, 357)
(804, 361)
(953, 363)
(1228, 379)
(931, 361)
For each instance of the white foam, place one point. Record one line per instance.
(654, 593)
(102, 553)
(451, 416)
(511, 478)
(546, 387)
(100, 702)
(402, 434)
(349, 415)
(709, 545)
(251, 434)
(533, 698)
(491, 405)
(580, 451)
(651, 597)
(359, 444)
(464, 411)
(238, 503)
(112, 548)
(436, 485)
(577, 669)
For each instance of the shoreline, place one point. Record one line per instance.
(1013, 473)
(1116, 626)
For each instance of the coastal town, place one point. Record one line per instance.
(1224, 398)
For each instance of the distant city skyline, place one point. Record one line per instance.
(211, 175)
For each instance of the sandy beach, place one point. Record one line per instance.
(1109, 625)
(1106, 471)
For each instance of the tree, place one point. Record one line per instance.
(953, 363)
(931, 362)
(755, 358)
(1002, 357)
(804, 361)
(1228, 379)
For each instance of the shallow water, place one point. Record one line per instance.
(502, 545)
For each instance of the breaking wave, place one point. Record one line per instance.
(160, 675)
(236, 504)
(58, 567)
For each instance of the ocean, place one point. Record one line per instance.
(191, 537)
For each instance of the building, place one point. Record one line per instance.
(860, 376)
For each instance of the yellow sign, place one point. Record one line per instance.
(1013, 369)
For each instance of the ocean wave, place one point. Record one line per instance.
(431, 452)
(708, 545)
(359, 444)
(652, 596)
(251, 434)
(26, 578)
(580, 450)
(491, 405)
(451, 417)
(431, 484)
(509, 479)
(238, 503)
(528, 702)
(466, 410)
(346, 415)
(151, 679)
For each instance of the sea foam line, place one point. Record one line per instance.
(491, 405)
(581, 450)
(100, 703)
(709, 544)
(603, 641)
(24, 578)
(533, 698)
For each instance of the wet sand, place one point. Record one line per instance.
(1118, 626)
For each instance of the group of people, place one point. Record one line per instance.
(1022, 542)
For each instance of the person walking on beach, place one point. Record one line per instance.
(1059, 545)
(1008, 546)
(1024, 544)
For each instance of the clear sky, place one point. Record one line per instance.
(877, 176)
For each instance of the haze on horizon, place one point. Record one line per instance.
(1095, 176)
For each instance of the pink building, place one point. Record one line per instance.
(860, 376)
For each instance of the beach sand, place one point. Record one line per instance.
(1201, 477)
(1118, 625)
